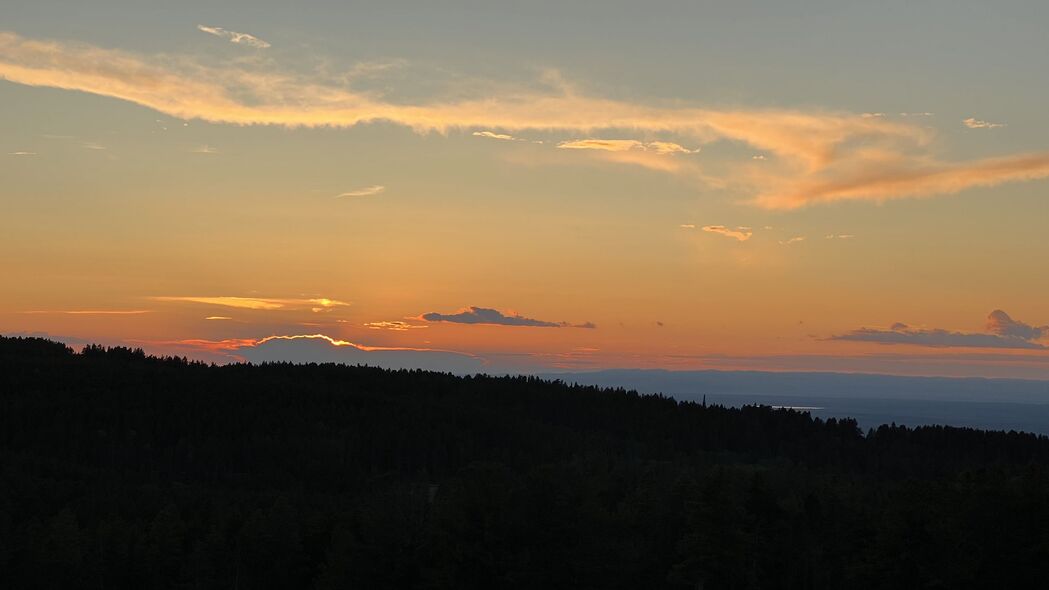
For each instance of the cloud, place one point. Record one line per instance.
(687, 226)
(666, 147)
(999, 322)
(1004, 333)
(793, 240)
(482, 315)
(839, 236)
(396, 326)
(260, 303)
(204, 149)
(741, 233)
(608, 145)
(492, 135)
(893, 177)
(89, 311)
(90, 145)
(624, 145)
(21, 153)
(320, 348)
(363, 192)
(973, 123)
(816, 156)
(235, 37)
(218, 317)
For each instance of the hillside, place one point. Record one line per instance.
(119, 470)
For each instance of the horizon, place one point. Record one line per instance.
(306, 358)
(532, 189)
(870, 400)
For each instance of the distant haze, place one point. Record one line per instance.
(995, 404)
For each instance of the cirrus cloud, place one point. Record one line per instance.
(395, 325)
(493, 135)
(363, 192)
(625, 145)
(235, 37)
(974, 123)
(816, 156)
(259, 303)
(87, 311)
(741, 233)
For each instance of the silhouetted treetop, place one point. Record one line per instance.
(123, 470)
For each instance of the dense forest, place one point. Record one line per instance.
(121, 470)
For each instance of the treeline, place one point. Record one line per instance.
(121, 470)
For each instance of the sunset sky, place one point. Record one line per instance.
(532, 186)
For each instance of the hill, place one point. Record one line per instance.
(121, 470)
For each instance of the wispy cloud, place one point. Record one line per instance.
(839, 236)
(687, 226)
(235, 37)
(395, 326)
(91, 145)
(21, 153)
(816, 156)
(483, 315)
(260, 303)
(896, 177)
(1002, 332)
(366, 69)
(204, 149)
(218, 318)
(493, 135)
(973, 123)
(89, 311)
(624, 145)
(363, 192)
(793, 240)
(741, 233)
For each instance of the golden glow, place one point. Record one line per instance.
(88, 312)
(214, 199)
(259, 303)
(740, 233)
(397, 326)
(825, 156)
(337, 342)
(364, 192)
(623, 145)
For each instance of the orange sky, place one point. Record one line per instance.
(197, 189)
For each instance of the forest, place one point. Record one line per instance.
(123, 470)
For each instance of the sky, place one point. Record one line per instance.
(522, 187)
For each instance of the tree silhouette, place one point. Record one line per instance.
(122, 470)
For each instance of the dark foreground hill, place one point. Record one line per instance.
(119, 470)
